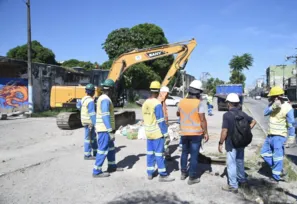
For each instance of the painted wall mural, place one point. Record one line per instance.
(13, 95)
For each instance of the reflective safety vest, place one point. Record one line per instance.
(209, 99)
(85, 117)
(278, 120)
(100, 126)
(150, 122)
(190, 124)
(162, 99)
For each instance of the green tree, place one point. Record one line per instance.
(39, 53)
(237, 78)
(239, 63)
(140, 36)
(76, 63)
(211, 85)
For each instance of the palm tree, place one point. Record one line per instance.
(239, 63)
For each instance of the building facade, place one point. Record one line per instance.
(279, 75)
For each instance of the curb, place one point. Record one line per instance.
(292, 164)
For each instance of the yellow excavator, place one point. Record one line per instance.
(67, 96)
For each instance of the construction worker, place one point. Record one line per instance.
(280, 126)
(235, 155)
(164, 91)
(105, 125)
(156, 132)
(88, 120)
(193, 128)
(209, 104)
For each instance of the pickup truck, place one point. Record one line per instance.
(222, 92)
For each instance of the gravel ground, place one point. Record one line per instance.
(43, 164)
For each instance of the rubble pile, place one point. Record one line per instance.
(136, 131)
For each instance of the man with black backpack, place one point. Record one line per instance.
(236, 132)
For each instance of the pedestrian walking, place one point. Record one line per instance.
(281, 120)
(193, 128)
(88, 119)
(156, 133)
(105, 125)
(210, 104)
(236, 133)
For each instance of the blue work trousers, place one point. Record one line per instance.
(106, 148)
(210, 107)
(273, 154)
(190, 145)
(90, 142)
(155, 149)
(235, 167)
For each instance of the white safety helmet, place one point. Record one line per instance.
(196, 84)
(233, 98)
(164, 89)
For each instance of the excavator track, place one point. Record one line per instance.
(71, 120)
(68, 120)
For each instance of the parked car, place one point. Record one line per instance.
(258, 97)
(204, 96)
(172, 100)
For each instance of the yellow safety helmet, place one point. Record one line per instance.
(276, 91)
(155, 86)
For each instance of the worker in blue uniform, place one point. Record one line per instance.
(88, 119)
(105, 125)
(281, 129)
(156, 133)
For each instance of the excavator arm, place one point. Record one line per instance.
(180, 62)
(126, 60)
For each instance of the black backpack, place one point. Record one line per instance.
(242, 134)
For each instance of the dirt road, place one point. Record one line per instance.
(42, 164)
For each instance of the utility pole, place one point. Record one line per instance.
(30, 82)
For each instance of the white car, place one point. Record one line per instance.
(258, 97)
(204, 96)
(172, 100)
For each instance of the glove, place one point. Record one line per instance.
(277, 104)
(167, 141)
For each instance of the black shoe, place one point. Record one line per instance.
(110, 170)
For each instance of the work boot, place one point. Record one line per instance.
(114, 169)
(273, 181)
(89, 158)
(183, 176)
(102, 175)
(283, 173)
(230, 189)
(165, 179)
(192, 181)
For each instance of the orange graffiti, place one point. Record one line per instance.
(13, 93)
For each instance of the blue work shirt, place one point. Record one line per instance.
(161, 121)
(105, 105)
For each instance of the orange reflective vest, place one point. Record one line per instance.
(162, 97)
(190, 124)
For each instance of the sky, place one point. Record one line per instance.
(223, 28)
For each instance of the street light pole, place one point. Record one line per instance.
(30, 82)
